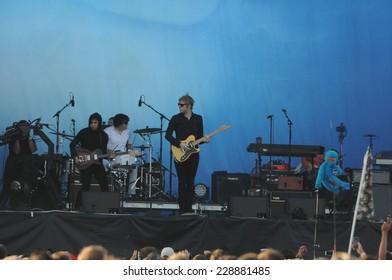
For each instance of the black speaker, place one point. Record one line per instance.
(248, 206)
(225, 185)
(75, 184)
(279, 209)
(101, 202)
(382, 177)
(382, 200)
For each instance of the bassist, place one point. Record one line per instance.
(184, 124)
(91, 138)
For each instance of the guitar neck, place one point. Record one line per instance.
(198, 141)
(117, 154)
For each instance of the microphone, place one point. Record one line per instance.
(72, 100)
(284, 110)
(270, 116)
(140, 101)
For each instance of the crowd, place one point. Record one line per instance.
(99, 252)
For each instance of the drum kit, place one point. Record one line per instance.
(123, 166)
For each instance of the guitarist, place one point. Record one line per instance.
(184, 124)
(91, 138)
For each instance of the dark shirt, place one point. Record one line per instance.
(90, 140)
(184, 128)
(24, 147)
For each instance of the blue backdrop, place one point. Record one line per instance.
(325, 62)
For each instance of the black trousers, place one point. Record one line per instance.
(99, 173)
(85, 175)
(24, 169)
(186, 172)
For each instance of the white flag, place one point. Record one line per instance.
(365, 209)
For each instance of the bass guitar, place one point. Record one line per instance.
(181, 155)
(87, 158)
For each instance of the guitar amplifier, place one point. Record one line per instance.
(382, 177)
(224, 185)
(75, 184)
(293, 183)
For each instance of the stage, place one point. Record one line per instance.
(25, 231)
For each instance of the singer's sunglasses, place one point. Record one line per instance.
(181, 104)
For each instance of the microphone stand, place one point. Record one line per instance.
(270, 187)
(290, 123)
(73, 128)
(162, 117)
(342, 133)
(57, 115)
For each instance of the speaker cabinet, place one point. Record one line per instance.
(101, 202)
(290, 183)
(279, 210)
(225, 185)
(248, 206)
(287, 207)
(75, 185)
(308, 205)
(382, 177)
(382, 200)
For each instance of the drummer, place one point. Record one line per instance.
(120, 140)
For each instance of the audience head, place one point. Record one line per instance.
(61, 255)
(145, 251)
(270, 254)
(248, 256)
(40, 254)
(199, 257)
(166, 253)
(3, 251)
(93, 252)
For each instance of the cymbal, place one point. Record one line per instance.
(147, 130)
(62, 134)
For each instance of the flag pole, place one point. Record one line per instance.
(365, 166)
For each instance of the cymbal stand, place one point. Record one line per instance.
(150, 166)
(149, 172)
(162, 118)
(119, 177)
(142, 173)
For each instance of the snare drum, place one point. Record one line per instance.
(123, 162)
